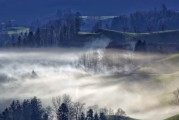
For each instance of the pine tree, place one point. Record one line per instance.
(78, 22)
(103, 116)
(63, 112)
(82, 117)
(19, 41)
(16, 110)
(26, 109)
(6, 114)
(96, 117)
(37, 37)
(36, 109)
(45, 116)
(30, 39)
(89, 115)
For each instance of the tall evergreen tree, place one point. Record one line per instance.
(103, 116)
(6, 115)
(26, 109)
(19, 41)
(16, 110)
(82, 117)
(37, 38)
(45, 116)
(36, 109)
(30, 39)
(96, 117)
(89, 115)
(63, 112)
(78, 22)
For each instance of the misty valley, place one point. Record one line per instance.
(89, 63)
(141, 84)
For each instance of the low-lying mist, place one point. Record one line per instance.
(140, 83)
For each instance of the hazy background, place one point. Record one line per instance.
(139, 83)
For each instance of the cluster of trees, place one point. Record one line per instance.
(54, 33)
(63, 109)
(100, 62)
(27, 110)
(153, 20)
(63, 114)
(91, 61)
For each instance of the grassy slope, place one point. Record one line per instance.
(171, 62)
(114, 117)
(170, 36)
(163, 77)
(174, 59)
(176, 117)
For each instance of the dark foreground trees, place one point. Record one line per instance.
(27, 110)
(63, 112)
(65, 109)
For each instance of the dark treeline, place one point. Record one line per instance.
(150, 21)
(54, 33)
(63, 109)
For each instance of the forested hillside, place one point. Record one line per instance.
(147, 21)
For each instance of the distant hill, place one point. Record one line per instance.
(15, 31)
(157, 42)
(90, 21)
(162, 41)
(114, 117)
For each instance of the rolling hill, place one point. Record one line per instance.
(176, 117)
(114, 117)
(162, 41)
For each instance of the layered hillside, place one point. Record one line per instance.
(162, 41)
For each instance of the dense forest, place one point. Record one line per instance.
(147, 21)
(56, 32)
(63, 109)
(64, 29)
